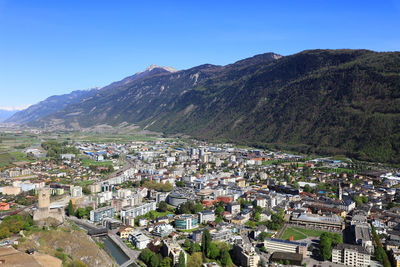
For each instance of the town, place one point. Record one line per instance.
(180, 202)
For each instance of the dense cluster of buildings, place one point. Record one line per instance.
(235, 186)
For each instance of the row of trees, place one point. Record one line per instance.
(380, 253)
(326, 241)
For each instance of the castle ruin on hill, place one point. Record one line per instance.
(44, 211)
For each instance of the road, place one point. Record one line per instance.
(3, 215)
(281, 232)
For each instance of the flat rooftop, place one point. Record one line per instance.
(318, 219)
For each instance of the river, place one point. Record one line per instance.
(112, 249)
(116, 253)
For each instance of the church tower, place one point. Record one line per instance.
(340, 192)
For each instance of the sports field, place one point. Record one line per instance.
(300, 233)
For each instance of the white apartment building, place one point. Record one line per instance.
(76, 191)
(279, 245)
(351, 255)
(139, 210)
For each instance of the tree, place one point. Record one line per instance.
(145, 255)
(163, 206)
(226, 258)
(360, 200)
(16, 227)
(380, 253)
(198, 208)
(276, 221)
(218, 219)
(222, 246)
(257, 216)
(180, 184)
(81, 212)
(196, 260)
(77, 263)
(181, 261)
(307, 188)
(194, 247)
(336, 238)
(258, 209)
(212, 251)
(155, 260)
(325, 245)
(61, 255)
(152, 215)
(86, 190)
(186, 244)
(306, 171)
(70, 209)
(262, 236)
(166, 262)
(219, 210)
(205, 241)
(4, 232)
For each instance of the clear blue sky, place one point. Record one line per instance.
(54, 47)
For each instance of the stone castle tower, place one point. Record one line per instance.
(44, 199)
(44, 212)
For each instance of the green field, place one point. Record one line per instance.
(88, 162)
(270, 162)
(109, 138)
(300, 233)
(20, 156)
(5, 159)
(338, 170)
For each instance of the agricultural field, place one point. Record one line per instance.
(5, 159)
(18, 141)
(107, 138)
(11, 146)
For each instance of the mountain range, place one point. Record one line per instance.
(6, 113)
(322, 101)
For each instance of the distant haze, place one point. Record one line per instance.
(5, 114)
